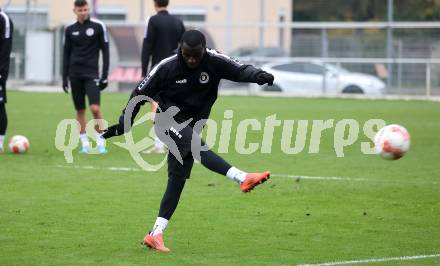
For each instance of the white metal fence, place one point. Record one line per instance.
(408, 62)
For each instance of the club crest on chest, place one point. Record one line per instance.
(204, 78)
(90, 32)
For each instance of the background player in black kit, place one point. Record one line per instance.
(83, 41)
(162, 36)
(6, 30)
(188, 81)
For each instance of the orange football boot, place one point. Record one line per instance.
(156, 242)
(254, 179)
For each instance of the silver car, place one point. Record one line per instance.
(317, 78)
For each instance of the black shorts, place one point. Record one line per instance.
(183, 143)
(82, 87)
(3, 98)
(177, 170)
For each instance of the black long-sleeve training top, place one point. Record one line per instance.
(162, 35)
(6, 31)
(81, 49)
(193, 91)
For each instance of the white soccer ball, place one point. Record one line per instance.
(392, 142)
(19, 144)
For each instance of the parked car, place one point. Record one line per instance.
(307, 79)
(258, 55)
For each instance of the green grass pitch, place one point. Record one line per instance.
(55, 213)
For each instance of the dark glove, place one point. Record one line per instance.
(114, 130)
(263, 77)
(65, 85)
(103, 83)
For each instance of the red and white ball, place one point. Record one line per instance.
(392, 142)
(19, 144)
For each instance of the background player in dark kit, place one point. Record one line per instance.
(6, 31)
(84, 39)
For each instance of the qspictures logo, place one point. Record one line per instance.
(346, 133)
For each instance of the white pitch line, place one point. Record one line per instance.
(318, 177)
(404, 258)
(131, 169)
(89, 167)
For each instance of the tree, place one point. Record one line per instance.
(365, 10)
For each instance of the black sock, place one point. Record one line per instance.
(215, 163)
(171, 197)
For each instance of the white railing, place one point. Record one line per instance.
(16, 58)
